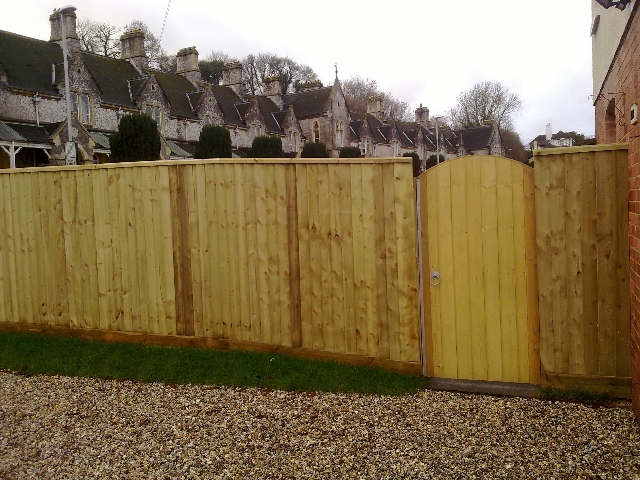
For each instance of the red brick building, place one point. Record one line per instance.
(616, 68)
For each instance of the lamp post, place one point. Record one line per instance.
(70, 146)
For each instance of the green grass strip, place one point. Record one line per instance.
(46, 354)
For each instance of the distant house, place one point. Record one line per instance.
(552, 140)
(33, 112)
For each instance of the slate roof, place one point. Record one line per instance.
(269, 108)
(102, 141)
(111, 76)
(227, 99)
(27, 133)
(176, 88)
(476, 138)
(28, 61)
(194, 99)
(311, 102)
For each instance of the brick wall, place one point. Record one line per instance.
(621, 90)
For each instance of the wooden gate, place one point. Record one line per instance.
(478, 248)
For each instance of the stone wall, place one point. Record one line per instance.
(612, 125)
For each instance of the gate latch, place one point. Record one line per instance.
(435, 278)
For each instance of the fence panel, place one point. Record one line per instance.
(317, 255)
(583, 264)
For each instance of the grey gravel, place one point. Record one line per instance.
(60, 427)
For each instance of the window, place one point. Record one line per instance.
(316, 132)
(80, 107)
(210, 120)
(366, 146)
(293, 140)
(339, 134)
(396, 148)
(155, 113)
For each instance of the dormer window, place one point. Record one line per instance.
(80, 107)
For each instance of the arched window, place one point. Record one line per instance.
(339, 134)
(316, 132)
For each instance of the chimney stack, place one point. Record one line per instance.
(232, 76)
(272, 88)
(132, 49)
(374, 106)
(187, 65)
(73, 42)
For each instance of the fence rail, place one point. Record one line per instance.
(311, 254)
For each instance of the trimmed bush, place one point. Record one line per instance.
(350, 152)
(136, 140)
(267, 147)
(314, 150)
(416, 162)
(215, 142)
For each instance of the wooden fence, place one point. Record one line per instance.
(314, 255)
(583, 265)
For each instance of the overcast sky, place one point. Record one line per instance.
(424, 51)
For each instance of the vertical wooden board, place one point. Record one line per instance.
(435, 342)
(273, 254)
(387, 323)
(191, 281)
(235, 324)
(325, 234)
(118, 239)
(12, 234)
(44, 248)
(462, 316)
(359, 277)
(543, 187)
(304, 235)
(127, 240)
(558, 263)
(348, 274)
(447, 290)
(533, 323)
(315, 258)
(103, 246)
(243, 257)
(589, 247)
(206, 209)
(336, 245)
(407, 258)
(293, 255)
(199, 232)
(5, 277)
(281, 241)
(27, 234)
(53, 194)
(223, 248)
(252, 252)
(476, 276)
(506, 262)
(607, 299)
(424, 264)
(136, 310)
(142, 259)
(621, 253)
(214, 280)
(574, 353)
(70, 202)
(369, 260)
(92, 313)
(147, 225)
(263, 253)
(520, 270)
(167, 310)
(490, 260)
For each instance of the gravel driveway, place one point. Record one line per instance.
(59, 427)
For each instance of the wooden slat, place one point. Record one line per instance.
(462, 317)
(607, 298)
(281, 241)
(324, 243)
(386, 281)
(233, 289)
(201, 288)
(245, 333)
(293, 250)
(533, 323)
(369, 261)
(213, 310)
(273, 248)
(335, 244)
(348, 274)
(166, 262)
(476, 274)
(263, 253)
(5, 278)
(304, 235)
(490, 259)
(427, 331)
(359, 277)
(434, 343)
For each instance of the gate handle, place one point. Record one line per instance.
(435, 278)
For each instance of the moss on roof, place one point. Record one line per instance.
(176, 88)
(111, 75)
(476, 138)
(227, 99)
(27, 62)
(311, 102)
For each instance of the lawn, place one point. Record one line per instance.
(44, 354)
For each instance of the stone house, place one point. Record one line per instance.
(616, 95)
(33, 108)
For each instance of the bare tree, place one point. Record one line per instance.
(486, 101)
(99, 37)
(358, 91)
(255, 68)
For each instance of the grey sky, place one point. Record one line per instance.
(421, 51)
